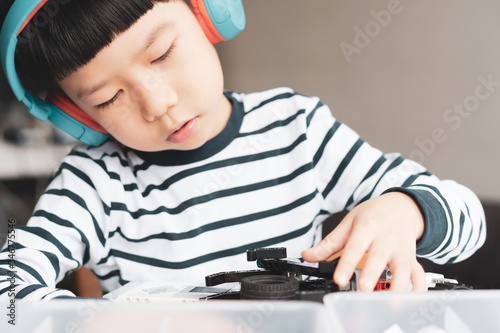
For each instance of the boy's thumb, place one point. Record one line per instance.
(320, 252)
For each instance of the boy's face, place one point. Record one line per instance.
(157, 86)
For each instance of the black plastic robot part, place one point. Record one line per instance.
(279, 278)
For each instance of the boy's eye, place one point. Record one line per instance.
(108, 103)
(165, 55)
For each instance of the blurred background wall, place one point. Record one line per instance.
(419, 77)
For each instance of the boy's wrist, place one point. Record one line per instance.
(419, 217)
(412, 210)
(434, 216)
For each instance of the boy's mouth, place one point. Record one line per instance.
(184, 132)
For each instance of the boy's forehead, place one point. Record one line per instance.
(163, 16)
(163, 19)
(150, 39)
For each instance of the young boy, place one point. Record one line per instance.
(192, 176)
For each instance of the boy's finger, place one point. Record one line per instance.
(330, 245)
(353, 253)
(376, 262)
(401, 273)
(418, 278)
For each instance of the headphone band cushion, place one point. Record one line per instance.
(201, 13)
(75, 112)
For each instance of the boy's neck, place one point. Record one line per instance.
(223, 116)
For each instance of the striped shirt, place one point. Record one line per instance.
(279, 168)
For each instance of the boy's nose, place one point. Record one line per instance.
(151, 113)
(156, 101)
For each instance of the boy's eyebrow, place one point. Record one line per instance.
(89, 91)
(153, 36)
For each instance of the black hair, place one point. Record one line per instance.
(66, 34)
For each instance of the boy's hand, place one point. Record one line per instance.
(386, 228)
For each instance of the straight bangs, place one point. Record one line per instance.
(66, 34)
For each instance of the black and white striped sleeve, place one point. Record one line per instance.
(350, 171)
(58, 238)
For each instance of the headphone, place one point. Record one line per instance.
(221, 20)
